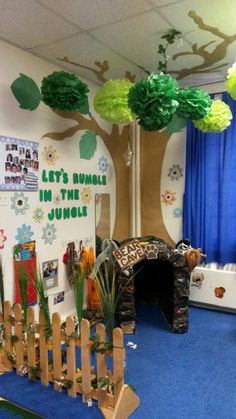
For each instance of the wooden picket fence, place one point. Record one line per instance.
(26, 349)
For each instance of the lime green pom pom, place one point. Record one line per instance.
(217, 120)
(64, 91)
(111, 102)
(193, 103)
(231, 82)
(154, 101)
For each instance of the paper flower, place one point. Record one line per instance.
(154, 101)
(2, 238)
(231, 82)
(38, 215)
(49, 233)
(50, 155)
(217, 119)
(24, 234)
(175, 172)
(103, 164)
(168, 197)
(64, 91)
(177, 212)
(193, 103)
(19, 203)
(86, 195)
(57, 199)
(111, 102)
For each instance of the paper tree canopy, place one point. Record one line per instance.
(64, 91)
(231, 81)
(111, 102)
(217, 120)
(154, 101)
(193, 103)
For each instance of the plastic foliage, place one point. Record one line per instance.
(193, 103)
(231, 81)
(65, 92)
(111, 102)
(154, 101)
(217, 120)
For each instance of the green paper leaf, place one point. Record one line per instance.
(26, 92)
(84, 107)
(88, 145)
(176, 125)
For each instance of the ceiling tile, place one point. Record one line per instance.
(136, 39)
(89, 14)
(83, 49)
(27, 24)
(159, 3)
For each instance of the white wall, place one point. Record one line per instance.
(26, 125)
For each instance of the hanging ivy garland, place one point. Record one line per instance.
(154, 101)
(193, 103)
(64, 91)
(111, 102)
(217, 120)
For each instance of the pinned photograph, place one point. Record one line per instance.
(50, 274)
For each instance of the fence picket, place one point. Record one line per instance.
(70, 356)
(85, 359)
(7, 325)
(118, 362)
(31, 342)
(101, 364)
(56, 336)
(43, 350)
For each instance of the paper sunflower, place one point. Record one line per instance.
(154, 101)
(193, 103)
(217, 120)
(231, 81)
(111, 102)
(64, 91)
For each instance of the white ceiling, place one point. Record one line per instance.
(126, 33)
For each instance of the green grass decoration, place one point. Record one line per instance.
(2, 295)
(43, 303)
(78, 290)
(23, 291)
(109, 293)
(16, 411)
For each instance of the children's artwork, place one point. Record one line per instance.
(23, 251)
(59, 298)
(24, 258)
(19, 166)
(50, 274)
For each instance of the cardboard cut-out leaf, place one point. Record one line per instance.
(88, 145)
(176, 125)
(84, 107)
(26, 92)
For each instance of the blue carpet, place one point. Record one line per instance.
(186, 376)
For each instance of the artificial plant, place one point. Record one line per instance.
(43, 304)
(23, 280)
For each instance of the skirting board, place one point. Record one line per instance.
(212, 307)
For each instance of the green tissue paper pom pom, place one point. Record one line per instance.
(64, 91)
(154, 101)
(231, 82)
(193, 103)
(217, 120)
(111, 102)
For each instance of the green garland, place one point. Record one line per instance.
(154, 101)
(111, 102)
(217, 120)
(64, 91)
(231, 82)
(193, 103)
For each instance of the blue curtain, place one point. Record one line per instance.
(209, 219)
